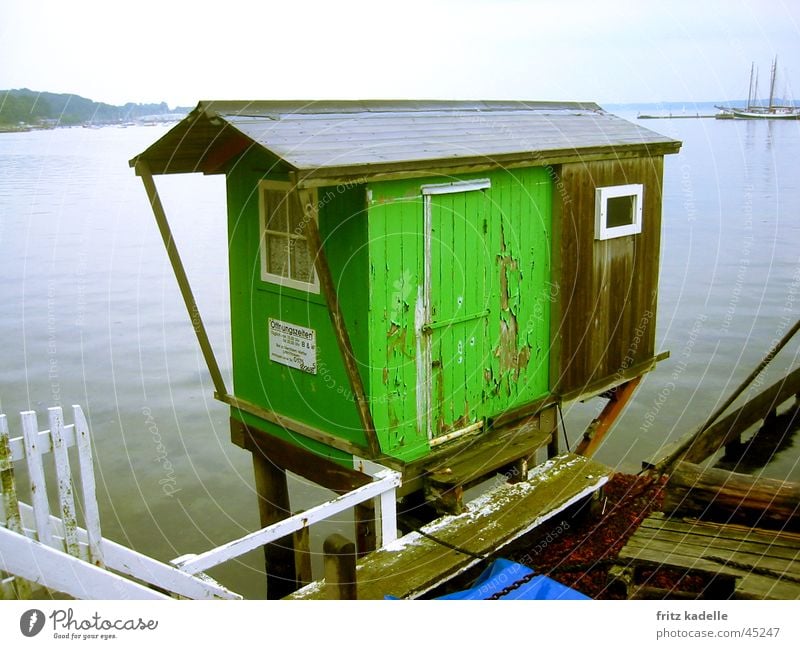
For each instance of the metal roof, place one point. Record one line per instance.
(343, 138)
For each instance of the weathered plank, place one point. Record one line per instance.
(41, 507)
(415, 564)
(716, 494)
(447, 477)
(765, 563)
(91, 512)
(42, 564)
(66, 499)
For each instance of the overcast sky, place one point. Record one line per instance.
(607, 51)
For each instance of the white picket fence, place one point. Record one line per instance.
(55, 552)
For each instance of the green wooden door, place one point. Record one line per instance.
(456, 303)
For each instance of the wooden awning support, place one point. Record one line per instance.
(314, 240)
(598, 429)
(220, 390)
(143, 170)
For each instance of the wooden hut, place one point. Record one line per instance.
(422, 283)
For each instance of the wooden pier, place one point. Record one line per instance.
(415, 564)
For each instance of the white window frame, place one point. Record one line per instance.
(602, 194)
(272, 278)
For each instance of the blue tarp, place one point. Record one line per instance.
(503, 573)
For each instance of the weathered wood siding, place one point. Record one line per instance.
(604, 292)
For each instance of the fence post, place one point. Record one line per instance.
(340, 567)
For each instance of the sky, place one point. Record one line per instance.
(609, 51)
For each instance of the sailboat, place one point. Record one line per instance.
(754, 110)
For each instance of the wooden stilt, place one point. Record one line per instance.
(598, 429)
(273, 505)
(302, 557)
(365, 528)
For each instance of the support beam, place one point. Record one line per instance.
(273, 506)
(143, 170)
(716, 494)
(315, 248)
(599, 428)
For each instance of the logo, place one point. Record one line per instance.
(31, 622)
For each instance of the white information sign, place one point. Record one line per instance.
(293, 345)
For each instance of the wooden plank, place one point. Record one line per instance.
(41, 507)
(337, 320)
(761, 587)
(701, 541)
(697, 557)
(414, 564)
(292, 425)
(140, 566)
(66, 499)
(45, 443)
(306, 464)
(91, 512)
(44, 565)
(496, 451)
(716, 494)
(143, 170)
(733, 531)
(9, 505)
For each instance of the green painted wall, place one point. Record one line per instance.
(491, 254)
(323, 400)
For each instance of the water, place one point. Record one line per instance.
(92, 315)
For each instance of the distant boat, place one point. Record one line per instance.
(753, 110)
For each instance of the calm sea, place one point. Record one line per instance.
(90, 314)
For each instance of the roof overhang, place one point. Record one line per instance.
(323, 143)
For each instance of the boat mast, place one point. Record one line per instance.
(750, 87)
(772, 81)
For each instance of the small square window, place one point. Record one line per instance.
(285, 259)
(618, 211)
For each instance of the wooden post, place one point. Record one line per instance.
(365, 528)
(302, 557)
(340, 568)
(273, 506)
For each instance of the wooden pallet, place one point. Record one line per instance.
(763, 564)
(414, 564)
